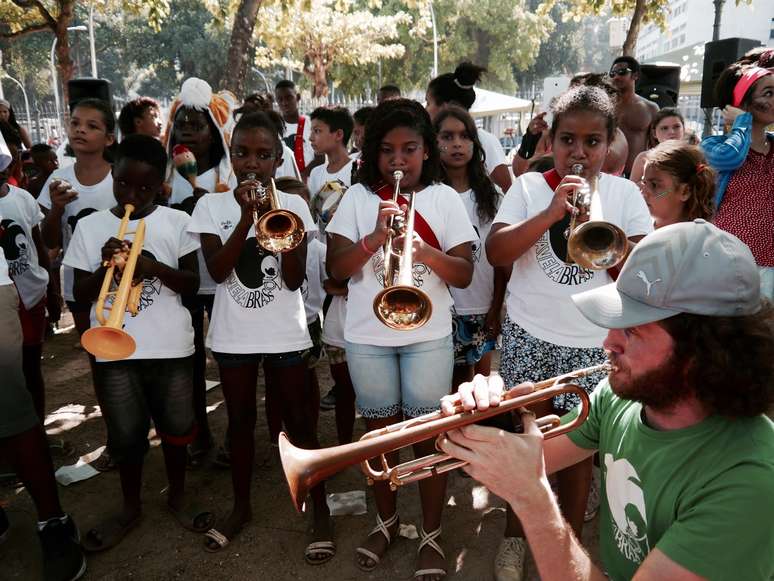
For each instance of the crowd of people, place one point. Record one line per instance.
(677, 427)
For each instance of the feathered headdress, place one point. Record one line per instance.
(197, 94)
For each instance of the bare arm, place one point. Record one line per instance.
(183, 280)
(293, 265)
(41, 249)
(454, 267)
(501, 176)
(638, 168)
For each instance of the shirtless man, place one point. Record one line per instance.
(634, 112)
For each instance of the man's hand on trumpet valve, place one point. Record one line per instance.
(509, 465)
(243, 195)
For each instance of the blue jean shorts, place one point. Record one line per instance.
(410, 379)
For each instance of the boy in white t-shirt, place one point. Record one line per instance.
(27, 258)
(155, 382)
(258, 318)
(331, 130)
(298, 128)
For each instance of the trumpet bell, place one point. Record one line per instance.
(279, 231)
(597, 245)
(403, 307)
(108, 343)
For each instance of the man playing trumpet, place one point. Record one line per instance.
(686, 449)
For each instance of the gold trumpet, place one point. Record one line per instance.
(304, 469)
(110, 341)
(276, 229)
(401, 305)
(595, 244)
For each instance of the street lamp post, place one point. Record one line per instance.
(54, 83)
(91, 42)
(265, 82)
(435, 41)
(4, 75)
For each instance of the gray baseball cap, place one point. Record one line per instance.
(689, 267)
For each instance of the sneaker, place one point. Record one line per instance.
(63, 559)
(592, 504)
(328, 402)
(509, 562)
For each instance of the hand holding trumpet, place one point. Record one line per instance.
(510, 465)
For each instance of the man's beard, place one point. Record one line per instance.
(659, 389)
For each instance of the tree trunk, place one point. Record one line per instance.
(239, 52)
(630, 44)
(63, 60)
(319, 76)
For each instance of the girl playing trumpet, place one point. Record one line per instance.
(401, 374)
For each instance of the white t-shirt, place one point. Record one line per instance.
(90, 199)
(162, 329)
(320, 176)
(288, 168)
(5, 279)
(542, 282)
(333, 325)
(290, 137)
(442, 208)
(476, 298)
(312, 287)
(493, 149)
(324, 200)
(19, 214)
(254, 311)
(182, 190)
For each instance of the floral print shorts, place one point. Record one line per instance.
(527, 358)
(471, 342)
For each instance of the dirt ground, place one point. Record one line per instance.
(272, 546)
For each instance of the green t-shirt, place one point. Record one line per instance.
(702, 495)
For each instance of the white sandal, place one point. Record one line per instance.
(428, 539)
(383, 527)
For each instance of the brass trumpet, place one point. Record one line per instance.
(401, 305)
(304, 469)
(596, 244)
(276, 229)
(110, 341)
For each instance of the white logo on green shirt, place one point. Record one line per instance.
(627, 507)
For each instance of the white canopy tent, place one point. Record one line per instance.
(489, 103)
(497, 112)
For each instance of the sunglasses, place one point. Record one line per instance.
(619, 72)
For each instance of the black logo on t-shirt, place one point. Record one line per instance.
(151, 287)
(256, 278)
(16, 247)
(476, 246)
(418, 271)
(551, 255)
(72, 221)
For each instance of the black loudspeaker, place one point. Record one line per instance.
(718, 55)
(80, 89)
(660, 84)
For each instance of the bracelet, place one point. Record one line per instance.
(365, 248)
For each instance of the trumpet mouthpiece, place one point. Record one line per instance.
(397, 175)
(577, 169)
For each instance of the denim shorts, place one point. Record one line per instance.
(137, 390)
(273, 360)
(409, 379)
